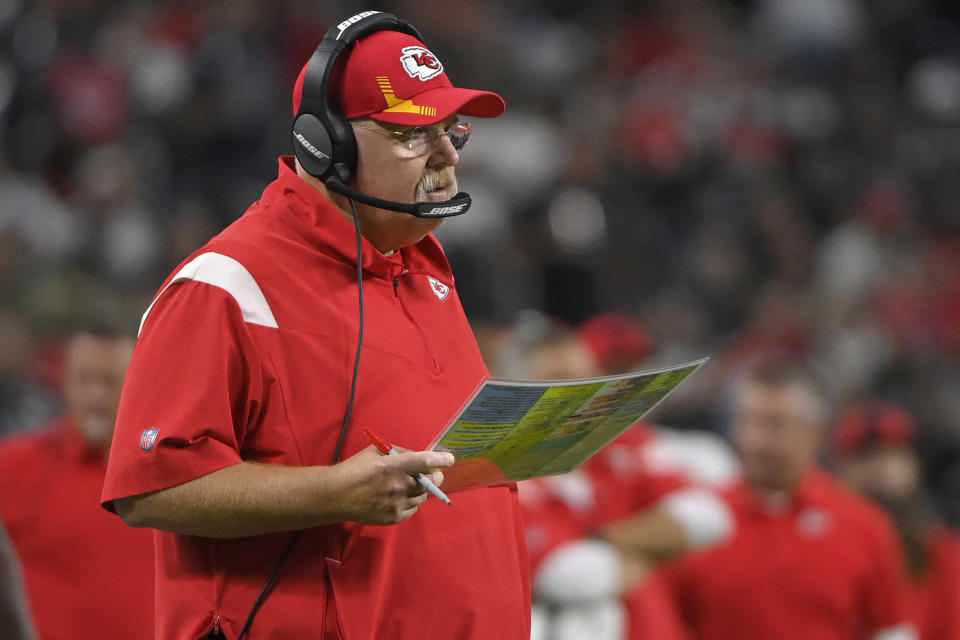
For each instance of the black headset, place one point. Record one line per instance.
(322, 137)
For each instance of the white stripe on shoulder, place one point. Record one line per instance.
(226, 273)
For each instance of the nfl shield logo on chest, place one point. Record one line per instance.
(439, 289)
(148, 438)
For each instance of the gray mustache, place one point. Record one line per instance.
(433, 180)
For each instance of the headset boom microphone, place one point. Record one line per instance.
(455, 206)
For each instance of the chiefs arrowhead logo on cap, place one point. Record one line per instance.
(419, 62)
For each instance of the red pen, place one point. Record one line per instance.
(386, 448)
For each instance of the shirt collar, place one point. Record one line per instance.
(330, 231)
(808, 493)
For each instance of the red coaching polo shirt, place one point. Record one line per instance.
(247, 354)
(87, 574)
(823, 564)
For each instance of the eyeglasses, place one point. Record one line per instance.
(423, 139)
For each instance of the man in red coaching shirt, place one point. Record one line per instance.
(244, 371)
(873, 446)
(86, 574)
(809, 559)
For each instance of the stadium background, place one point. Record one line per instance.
(735, 175)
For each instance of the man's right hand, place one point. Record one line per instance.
(374, 488)
(250, 498)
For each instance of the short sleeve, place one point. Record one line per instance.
(193, 386)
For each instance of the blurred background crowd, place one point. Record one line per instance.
(734, 176)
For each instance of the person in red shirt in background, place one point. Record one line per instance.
(873, 449)
(87, 575)
(595, 534)
(810, 559)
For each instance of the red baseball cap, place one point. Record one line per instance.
(618, 342)
(872, 422)
(392, 77)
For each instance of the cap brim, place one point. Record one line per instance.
(446, 101)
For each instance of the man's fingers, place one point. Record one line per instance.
(408, 508)
(436, 477)
(414, 489)
(422, 461)
(406, 514)
(416, 501)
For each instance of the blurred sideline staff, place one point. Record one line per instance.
(874, 452)
(596, 534)
(809, 559)
(86, 574)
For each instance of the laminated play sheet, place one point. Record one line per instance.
(516, 430)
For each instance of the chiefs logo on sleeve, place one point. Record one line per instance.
(439, 289)
(420, 63)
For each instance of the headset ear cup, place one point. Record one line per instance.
(323, 140)
(312, 145)
(344, 145)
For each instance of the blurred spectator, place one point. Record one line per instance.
(87, 575)
(873, 447)
(537, 347)
(634, 495)
(618, 343)
(809, 559)
(734, 174)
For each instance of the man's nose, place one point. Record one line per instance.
(443, 154)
